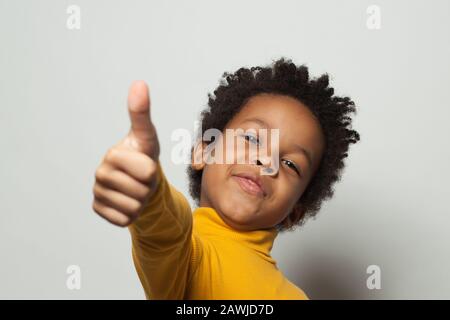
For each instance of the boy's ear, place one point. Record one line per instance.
(197, 161)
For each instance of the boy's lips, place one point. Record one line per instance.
(251, 183)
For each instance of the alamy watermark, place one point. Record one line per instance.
(73, 281)
(373, 21)
(236, 146)
(374, 280)
(74, 19)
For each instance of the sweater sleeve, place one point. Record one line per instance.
(162, 242)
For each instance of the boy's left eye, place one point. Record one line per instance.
(292, 165)
(289, 163)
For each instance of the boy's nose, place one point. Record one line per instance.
(266, 170)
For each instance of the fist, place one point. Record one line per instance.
(126, 178)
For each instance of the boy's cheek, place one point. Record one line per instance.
(216, 181)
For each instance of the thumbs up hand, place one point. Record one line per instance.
(142, 136)
(127, 176)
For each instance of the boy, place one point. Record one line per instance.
(221, 250)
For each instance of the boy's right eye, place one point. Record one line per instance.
(251, 139)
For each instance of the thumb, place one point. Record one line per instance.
(142, 128)
(139, 109)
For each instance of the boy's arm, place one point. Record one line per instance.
(161, 242)
(131, 190)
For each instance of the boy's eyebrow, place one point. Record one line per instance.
(297, 146)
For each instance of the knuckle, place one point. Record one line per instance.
(101, 174)
(111, 154)
(149, 173)
(135, 207)
(94, 190)
(144, 194)
(121, 223)
(97, 192)
(124, 221)
(94, 206)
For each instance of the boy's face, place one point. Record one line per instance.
(223, 190)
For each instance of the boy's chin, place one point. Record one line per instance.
(239, 218)
(239, 224)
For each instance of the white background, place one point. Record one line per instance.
(63, 104)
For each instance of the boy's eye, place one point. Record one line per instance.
(251, 139)
(292, 165)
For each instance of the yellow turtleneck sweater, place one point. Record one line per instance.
(180, 254)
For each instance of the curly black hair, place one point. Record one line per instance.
(285, 78)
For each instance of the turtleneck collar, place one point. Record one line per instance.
(209, 222)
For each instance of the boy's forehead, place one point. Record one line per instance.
(265, 109)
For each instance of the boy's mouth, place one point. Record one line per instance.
(250, 183)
